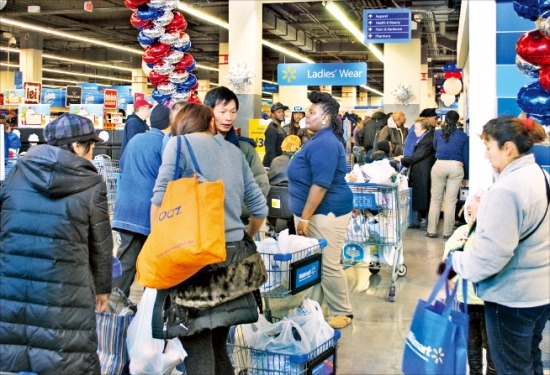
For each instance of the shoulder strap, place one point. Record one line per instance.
(545, 212)
(178, 156)
(192, 154)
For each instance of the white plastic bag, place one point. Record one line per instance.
(378, 172)
(309, 317)
(357, 230)
(282, 337)
(149, 356)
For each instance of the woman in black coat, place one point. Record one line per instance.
(55, 254)
(420, 164)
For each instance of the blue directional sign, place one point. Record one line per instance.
(330, 74)
(387, 25)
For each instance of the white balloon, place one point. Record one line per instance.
(452, 86)
(145, 68)
(447, 99)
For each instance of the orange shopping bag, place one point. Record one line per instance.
(189, 234)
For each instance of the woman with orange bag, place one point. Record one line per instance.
(205, 332)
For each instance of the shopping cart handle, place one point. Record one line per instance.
(322, 243)
(282, 257)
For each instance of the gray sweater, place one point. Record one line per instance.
(510, 272)
(217, 159)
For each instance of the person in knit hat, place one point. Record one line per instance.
(140, 165)
(56, 250)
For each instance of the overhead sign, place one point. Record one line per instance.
(110, 99)
(387, 25)
(332, 74)
(33, 92)
(74, 95)
(270, 87)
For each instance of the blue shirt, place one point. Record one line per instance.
(11, 140)
(140, 165)
(322, 161)
(456, 148)
(410, 142)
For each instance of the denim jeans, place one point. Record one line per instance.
(514, 336)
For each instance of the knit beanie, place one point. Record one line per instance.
(160, 117)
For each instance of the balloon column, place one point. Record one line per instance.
(533, 59)
(165, 59)
(452, 85)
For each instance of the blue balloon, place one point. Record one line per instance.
(183, 47)
(146, 13)
(159, 97)
(150, 65)
(528, 9)
(543, 120)
(534, 100)
(544, 5)
(186, 85)
(191, 67)
(145, 40)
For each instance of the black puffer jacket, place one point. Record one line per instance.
(55, 255)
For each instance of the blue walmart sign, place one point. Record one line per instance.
(332, 74)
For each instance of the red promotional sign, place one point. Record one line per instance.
(110, 99)
(32, 92)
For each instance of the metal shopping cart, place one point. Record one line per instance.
(110, 171)
(374, 237)
(289, 273)
(247, 360)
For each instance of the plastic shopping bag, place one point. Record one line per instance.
(309, 317)
(274, 346)
(438, 338)
(149, 356)
(112, 326)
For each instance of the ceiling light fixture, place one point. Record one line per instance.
(340, 16)
(44, 30)
(204, 16)
(287, 52)
(59, 80)
(372, 90)
(86, 75)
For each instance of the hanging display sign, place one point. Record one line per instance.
(332, 74)
(33, 115)
(110, 100)
(73, 95)
(33, 91)
(387, 25)
(92, 111)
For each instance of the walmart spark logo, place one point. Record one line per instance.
(438, 355)
(289, 74)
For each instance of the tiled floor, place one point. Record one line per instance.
(373, 343)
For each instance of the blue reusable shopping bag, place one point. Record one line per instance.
(437, 341)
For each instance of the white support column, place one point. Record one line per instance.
(30, 64)
(480, 92)
(245, 45)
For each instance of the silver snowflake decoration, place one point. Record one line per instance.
(403, 94)
(240, 77)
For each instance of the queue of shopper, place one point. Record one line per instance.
(62, 260)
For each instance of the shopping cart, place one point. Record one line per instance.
(110, 171)
(247, 361)
(8, 166)
(374, 237)
(291, 272)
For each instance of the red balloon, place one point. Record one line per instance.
(155, 52)
(185, 62)
(194, 98)
(156, 78)
(544, 77)
(448, 75)
(138, 22)
(134, 4)
(534, 48)
(457, 74)
(195, 86)
(178, 23)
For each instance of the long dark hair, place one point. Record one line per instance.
(331, 107)
(87, 145)
(522, 132)
(451, 121)
(191, 118)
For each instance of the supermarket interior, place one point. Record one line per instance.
(481, 58)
